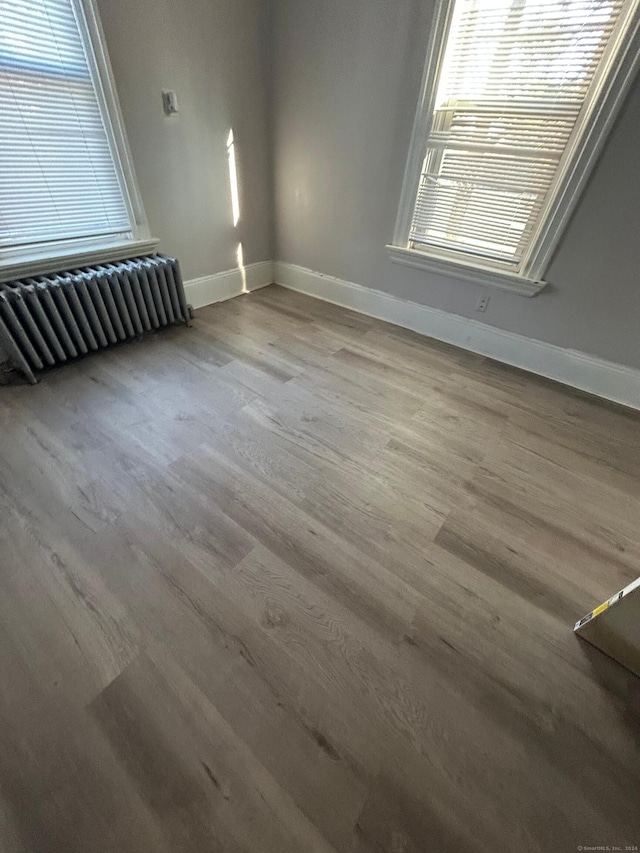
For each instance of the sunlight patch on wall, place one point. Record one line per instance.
(241, 267)
(233, 179)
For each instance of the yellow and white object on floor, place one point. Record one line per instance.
(614, 627)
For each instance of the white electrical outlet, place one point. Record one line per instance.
(482, 303)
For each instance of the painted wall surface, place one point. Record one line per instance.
(211, 52)
(346, 81)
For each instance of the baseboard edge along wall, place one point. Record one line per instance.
(225, 285)
(606, 379)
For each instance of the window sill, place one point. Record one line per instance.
(475, 275)
(46, 261)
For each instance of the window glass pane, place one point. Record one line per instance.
(515, 78)
(58, 178)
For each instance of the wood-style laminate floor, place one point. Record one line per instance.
(296, 580)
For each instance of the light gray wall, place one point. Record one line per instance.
(212, 53)
(345, 86)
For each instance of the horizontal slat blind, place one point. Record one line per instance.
(58, 179)
(514, 79)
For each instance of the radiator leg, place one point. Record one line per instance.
(16, 359)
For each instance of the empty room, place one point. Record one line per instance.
(319, 426)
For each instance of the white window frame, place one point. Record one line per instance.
(48, 257)
(618, 71)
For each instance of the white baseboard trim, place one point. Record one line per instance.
(225, 285)
(605, 379)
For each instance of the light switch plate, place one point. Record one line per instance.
(169, 102)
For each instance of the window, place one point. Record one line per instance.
(518, 97)
(67, 189)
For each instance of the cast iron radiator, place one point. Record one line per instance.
(49, 319)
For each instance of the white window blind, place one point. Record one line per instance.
(514, 84)
(59, 176)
